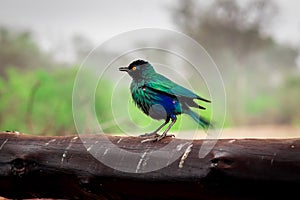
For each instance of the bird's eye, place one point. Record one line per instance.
(134, 68)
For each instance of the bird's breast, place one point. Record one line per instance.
(141, 97)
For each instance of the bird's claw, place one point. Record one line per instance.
(150, 140)
(157, 138)
(153, 134)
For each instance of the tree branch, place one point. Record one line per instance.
(66, 167)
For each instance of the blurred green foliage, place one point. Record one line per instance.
(261, 78)
(39, 102)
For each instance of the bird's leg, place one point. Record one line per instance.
(166, 131)
(154, 133)
(163, 135)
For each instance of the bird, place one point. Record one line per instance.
(161, 99)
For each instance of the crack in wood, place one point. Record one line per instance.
(185, 155)
(2, 145)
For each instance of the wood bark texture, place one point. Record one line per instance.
(113, 167)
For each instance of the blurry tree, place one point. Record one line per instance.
(289, 111)
(20, 51)
(82, 46)
(234, 34)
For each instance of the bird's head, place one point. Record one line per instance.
(138, 69)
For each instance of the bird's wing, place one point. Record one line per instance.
(164, 85)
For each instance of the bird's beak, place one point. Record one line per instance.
(124, 69)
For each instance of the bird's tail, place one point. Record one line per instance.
(200, 120)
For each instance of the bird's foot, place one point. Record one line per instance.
(153, 134)
(150, 140)
(157, 138)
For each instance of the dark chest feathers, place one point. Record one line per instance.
(142, 96)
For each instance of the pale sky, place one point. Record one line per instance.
(54, 22)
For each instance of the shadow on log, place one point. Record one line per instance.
(111, 167)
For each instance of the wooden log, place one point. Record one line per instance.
(96, 167)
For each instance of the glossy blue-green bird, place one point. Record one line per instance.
(161, 98)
